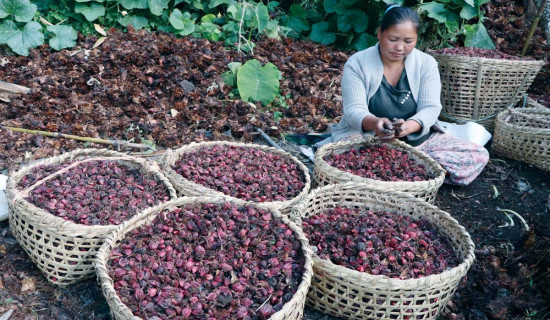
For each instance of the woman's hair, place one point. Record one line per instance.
(397, 14)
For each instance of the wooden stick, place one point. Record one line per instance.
(13, 88)
(533, 27)
(79, 138)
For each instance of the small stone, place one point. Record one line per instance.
(187, 86)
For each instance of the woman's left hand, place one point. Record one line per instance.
(403, 128)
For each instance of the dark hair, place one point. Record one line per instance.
(396, 15)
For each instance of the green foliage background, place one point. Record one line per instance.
(348, 24)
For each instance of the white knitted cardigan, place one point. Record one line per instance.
(362, 77)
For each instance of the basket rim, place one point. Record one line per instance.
(465, 58)
(171, 156)
(418, 154)
(381, 279)
(503, 124)
(102, 256)
(41, 217)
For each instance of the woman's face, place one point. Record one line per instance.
(397, 41)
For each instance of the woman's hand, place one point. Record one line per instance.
(403, 128)
(382, 127)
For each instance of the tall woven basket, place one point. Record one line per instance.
(291, 310)
(325, 174)
(524, 134)
(189, 188)
(64, 250)
(476, 88)
(350, 294)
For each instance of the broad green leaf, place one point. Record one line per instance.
(198, 5)
(7, 30)
(29, 37)
(234, 66)
(470, 3)
(332, 6)
(138, 22)
(158, 6)
(215, 3)
(232, 11)
(91, 11)
(349, 2)
(262, 15)
(353, 18)
(134, 4)
(271, 5)
(319, 33)
(21, 10)
(92, 0)
(437, 11)
(272, 29)
(481, 2)
(365, 40)
(398, 2)
(258, 83)
(182, 22)
(297, 19)
(208, 18)
(65, 37)
(469, 12)
(477, 36)
(452, 26)
(314, 16)
(229, 78)
(210, 31)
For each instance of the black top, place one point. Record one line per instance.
(396, 102)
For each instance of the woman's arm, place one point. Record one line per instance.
(429, 99)
(354, 95)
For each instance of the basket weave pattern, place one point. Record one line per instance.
(343, 292)
(325, 174)
(475, 88)
(524, 134)
(292, 310)
(189, 188)
(63, 250)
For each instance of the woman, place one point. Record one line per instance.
(393, 90)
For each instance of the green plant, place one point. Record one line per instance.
(352, 24)
(18, 30)
(134, 130)
(254, 82)
(452, 17)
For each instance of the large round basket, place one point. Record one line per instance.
(325, 174)
(189, 188)
(476, 88)
(64, 250)
(524, 134)
(291, 310)
(350, 294)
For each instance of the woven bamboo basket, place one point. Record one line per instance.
(189, 188)
(325, 174)
(524, 134)
(291, 310)
(64, 250)
(350, 294)
(476, 88)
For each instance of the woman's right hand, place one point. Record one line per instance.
(382, 127)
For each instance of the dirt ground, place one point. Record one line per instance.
(141, 78)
